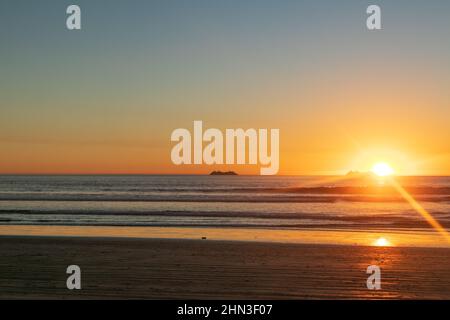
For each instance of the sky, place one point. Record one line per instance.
(106, 98)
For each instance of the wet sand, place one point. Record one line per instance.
(35, 267)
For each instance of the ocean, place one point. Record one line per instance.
(268, 202)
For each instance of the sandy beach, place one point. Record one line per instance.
(35, 267)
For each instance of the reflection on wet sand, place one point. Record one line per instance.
(399, 238)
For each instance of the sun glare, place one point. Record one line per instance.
(382, 169)
(381, 242)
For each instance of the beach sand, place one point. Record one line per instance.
(35, 267)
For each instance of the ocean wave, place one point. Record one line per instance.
(218, 218)
(262, 198)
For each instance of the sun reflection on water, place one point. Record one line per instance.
(382, 242)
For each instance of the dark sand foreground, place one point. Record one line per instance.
(35, 267)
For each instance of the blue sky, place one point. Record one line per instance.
(139, 69)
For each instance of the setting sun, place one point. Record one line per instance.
(382, 169)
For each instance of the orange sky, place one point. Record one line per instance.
(105, 100)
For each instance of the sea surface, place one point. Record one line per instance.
(275, 202)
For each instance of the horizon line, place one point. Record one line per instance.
(199, 174)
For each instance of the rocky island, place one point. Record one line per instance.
(223, 173)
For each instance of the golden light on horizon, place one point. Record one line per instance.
(382, 242)
(382, 169)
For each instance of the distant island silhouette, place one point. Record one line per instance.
(358, 174)
(355, 173)
(223, 173)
